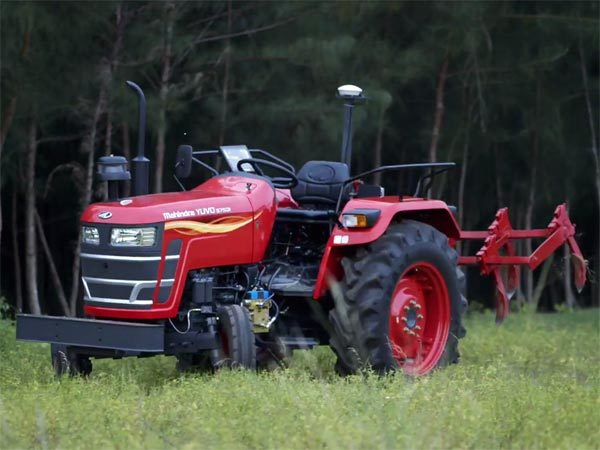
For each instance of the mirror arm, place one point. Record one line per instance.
(179, 183)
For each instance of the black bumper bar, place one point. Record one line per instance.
(92, 333)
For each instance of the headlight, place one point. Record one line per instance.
(133, 237)
(360, 218)
(354, 221)
(90, 235)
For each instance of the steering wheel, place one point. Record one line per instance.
(287, 182)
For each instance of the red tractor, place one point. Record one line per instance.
(262, 259)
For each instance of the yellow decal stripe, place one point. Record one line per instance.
(220, 225)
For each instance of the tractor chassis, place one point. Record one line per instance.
(113, 339)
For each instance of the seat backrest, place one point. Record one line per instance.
(319, 183)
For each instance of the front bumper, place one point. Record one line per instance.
(111, 338)
(91, 333)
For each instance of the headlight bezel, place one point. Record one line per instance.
(133, 237)
(360, 218)
(90, 235)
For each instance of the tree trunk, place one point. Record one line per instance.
(87, 144)
(541, 283)
(161, 131)
(442, 179)
(58, 287)
(439, 111)
(518, 219)
(467, 111)
(7, 119)
(8, 116)
(528, 247)
(30, 240)
(126, 141)
(108, 134)
(529, 225)
(567, 280)
(87, 148)
(225, 92)
(126, 153)
(529, 286)
(107, 147)
(164, 95)
(16, 251)
(595, 151)
(499, 196)
(379, 145)
(463, 175)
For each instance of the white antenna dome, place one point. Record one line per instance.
(349, 90)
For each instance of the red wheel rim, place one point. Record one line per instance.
(419, 321)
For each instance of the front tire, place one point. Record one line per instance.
(65, 361)
(237, 348)
(400, 304)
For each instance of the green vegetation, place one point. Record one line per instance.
(532, 383)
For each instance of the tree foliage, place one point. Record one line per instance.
(508, 89)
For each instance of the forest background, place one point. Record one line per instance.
(509, 90)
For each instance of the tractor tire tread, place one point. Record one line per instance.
(237, 325)
(371, 275)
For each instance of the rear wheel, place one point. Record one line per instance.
(236, 338)
(400, 304)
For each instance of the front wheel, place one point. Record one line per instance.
(400, 304)
(65, 361)
(236, 338)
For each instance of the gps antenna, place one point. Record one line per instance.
(351, 95)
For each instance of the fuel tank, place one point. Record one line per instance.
(225, 221)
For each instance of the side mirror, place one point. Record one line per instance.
(183, 163)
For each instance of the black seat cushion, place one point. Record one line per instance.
(319, 183)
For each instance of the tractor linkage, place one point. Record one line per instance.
(498, 252)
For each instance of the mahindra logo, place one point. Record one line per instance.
(105, 215)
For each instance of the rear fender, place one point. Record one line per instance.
(343, 242)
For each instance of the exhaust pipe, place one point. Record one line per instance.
(140, 165)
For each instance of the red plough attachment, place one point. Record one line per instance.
(498, 252)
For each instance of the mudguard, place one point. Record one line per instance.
(433, 212)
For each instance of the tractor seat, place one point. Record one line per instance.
(319, 184)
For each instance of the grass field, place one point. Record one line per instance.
(532, 383)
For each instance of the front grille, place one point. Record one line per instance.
(125, 282)
(126, 278)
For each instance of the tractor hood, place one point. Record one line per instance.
(224, 195)
(225, 221)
